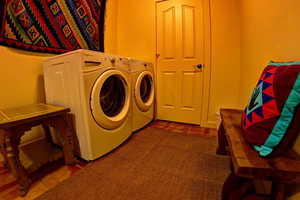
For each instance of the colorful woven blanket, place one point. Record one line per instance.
(55, 26)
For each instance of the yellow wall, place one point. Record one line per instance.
(21, 77)
(110, 29)
(225, 75)
(136, 29)
(270, 31)
(136, 38)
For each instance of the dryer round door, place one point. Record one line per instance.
(144, 91)
(110, 99)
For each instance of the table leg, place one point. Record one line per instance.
(3, 148)
(12, 150)
(62, 124)
(47, 133)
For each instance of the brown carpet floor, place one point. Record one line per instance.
(152, 164)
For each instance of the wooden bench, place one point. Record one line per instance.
(247, 165)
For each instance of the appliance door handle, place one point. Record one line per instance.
(92, 63)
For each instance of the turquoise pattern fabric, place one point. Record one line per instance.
(285, 119)
(284, 63)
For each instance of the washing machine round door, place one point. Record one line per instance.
(144, 91)
(110, 99)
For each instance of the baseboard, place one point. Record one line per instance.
(209, 124)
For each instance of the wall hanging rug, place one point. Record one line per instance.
(272, 117)
(54, 26)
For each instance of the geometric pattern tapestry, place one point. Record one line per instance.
(54, 26)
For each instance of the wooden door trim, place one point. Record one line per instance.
(206, 62)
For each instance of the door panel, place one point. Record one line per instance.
(188, 31)
(180, 46)
(169, 33)
(168, 81)
(187, 89)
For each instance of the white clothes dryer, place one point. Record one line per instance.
(143, 94)
(99, 95)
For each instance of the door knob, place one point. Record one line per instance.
(199, 66)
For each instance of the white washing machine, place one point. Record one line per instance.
(143, 95)
(99, 95)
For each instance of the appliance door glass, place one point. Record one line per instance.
(144, 91)
(110, 99)
(112, 96)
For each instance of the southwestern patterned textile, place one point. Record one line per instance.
(55, 26)
(271, 119)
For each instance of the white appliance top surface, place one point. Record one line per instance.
(86, 52)
(139, 65)
(78, 51)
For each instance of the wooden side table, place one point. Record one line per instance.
(14, 122)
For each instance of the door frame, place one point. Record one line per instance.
(207, 61)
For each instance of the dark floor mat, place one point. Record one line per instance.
(152, 164)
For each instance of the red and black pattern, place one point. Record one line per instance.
(55, 26)
(262, 105)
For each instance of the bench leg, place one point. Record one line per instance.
(222, 141)
(235, 188)
(278, 191)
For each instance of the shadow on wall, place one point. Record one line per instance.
(29, 53)
(41, 96)
(22, 82)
